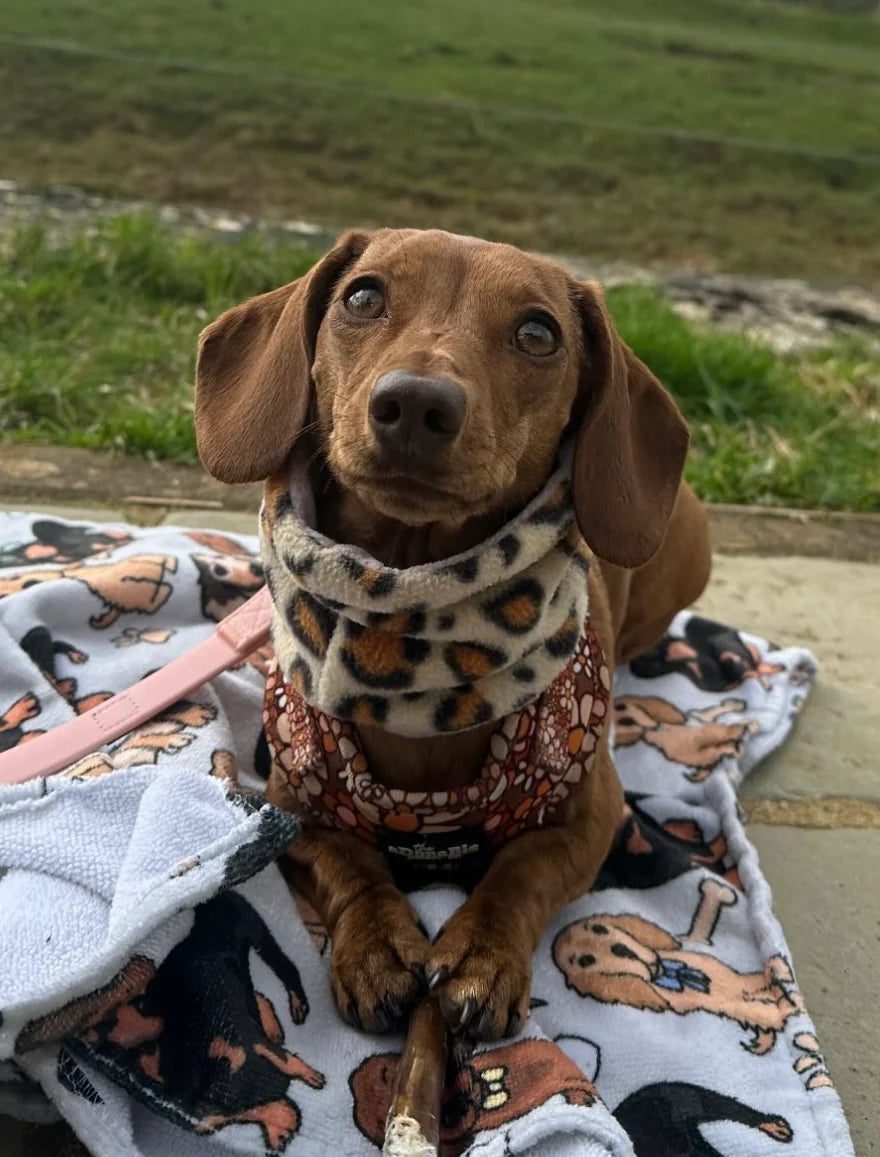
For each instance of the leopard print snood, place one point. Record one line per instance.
(428, 649)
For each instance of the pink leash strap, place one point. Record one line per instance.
(236, 637)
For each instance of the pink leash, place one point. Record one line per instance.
(236, 637)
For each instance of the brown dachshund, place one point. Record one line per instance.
(513, 354)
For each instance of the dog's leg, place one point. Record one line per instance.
(377, 946)
(481, 963)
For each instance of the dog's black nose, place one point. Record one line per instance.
(415, 415)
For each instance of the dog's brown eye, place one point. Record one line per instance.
(536, 336)
(365, 299)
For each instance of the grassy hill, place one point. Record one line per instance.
(740, 134)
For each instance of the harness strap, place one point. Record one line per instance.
(235, 637)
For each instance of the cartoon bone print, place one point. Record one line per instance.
(697, 738)
(626, 959)
(714, 895)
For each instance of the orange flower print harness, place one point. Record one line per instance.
(536, 756)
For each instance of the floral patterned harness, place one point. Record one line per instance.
(536, 756)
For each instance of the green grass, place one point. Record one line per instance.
(97, 336)
(365, 135)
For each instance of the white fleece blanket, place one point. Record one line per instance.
(159, 990)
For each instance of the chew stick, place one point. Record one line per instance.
(413, 1126)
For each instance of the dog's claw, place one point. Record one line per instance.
(467, 1011)
(483, 1026)
(353, 1016)
(437, 977)
(380, 1021)
(394, 1008)
(513, 1023)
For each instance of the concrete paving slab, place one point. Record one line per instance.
(825, 894)
(66, 474)
(833, 608)
(235, 522)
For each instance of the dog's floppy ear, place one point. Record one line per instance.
(651, 935)
(253, 371)
(630, 448)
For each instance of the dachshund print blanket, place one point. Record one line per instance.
(161, 992)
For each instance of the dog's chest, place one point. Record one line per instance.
(535, 758)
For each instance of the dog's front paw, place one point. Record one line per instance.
(482, 976)
(378, 956)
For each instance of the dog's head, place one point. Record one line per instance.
(438, 374)
(592, 952)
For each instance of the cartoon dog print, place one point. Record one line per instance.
(811, 1065)
(220, 543)
(201, 1045)
(168, 733)
(131, 636)
(12, 733)
(625, 959)
(490, 1089)
(58, 542)
(647, 852)
(224, 765)
(225, 582)
(43, 651)
(134, 585)
(665, 1119)
(696, 739)
(12, 584)
(81, 1013)
(713, 656)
